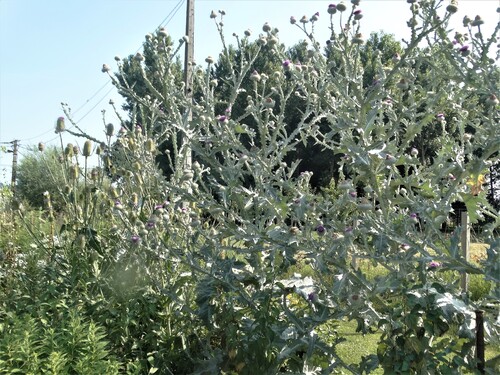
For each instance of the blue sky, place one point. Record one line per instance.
(52, 51)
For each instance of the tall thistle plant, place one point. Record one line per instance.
(220, 239)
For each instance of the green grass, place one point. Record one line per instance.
(358, 345)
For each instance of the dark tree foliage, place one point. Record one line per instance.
(40, 172)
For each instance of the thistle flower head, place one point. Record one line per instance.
(332, 9)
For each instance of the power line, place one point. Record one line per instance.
(92, 97)
(164, 22)
(95, 105)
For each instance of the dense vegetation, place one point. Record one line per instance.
(203, 244)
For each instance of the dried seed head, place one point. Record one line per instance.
(41, 147)
(60, 125)
(87, 148)
(150, 145)
(68, 151)
(74, 172)
(94, 174)
(110, 130)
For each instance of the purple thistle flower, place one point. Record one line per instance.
(321, 230)
(222, 119)
(464, 50)
(150, 224)
(135, 239)
(286, 64)
(312, 297)
(433, 265)
(356, 12)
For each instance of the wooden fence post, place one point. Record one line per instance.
(480, 341)
(465, 242)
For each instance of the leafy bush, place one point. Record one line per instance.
(68, 346)
(194, 272)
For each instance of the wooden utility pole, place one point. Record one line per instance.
(188, 68)
(465, 243)
(14, 166)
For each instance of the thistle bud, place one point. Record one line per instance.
(41, 147)
(76, 151)
(464, 50)
(358, 39)
(266, 28)
(402, 84)
(492, 100)
(269, 103)
(163, 32)
(272, 41)
(332, 9)
(358, 14)
(255, 76)
(341, 6)
(139, 57)
(87, 148)
(477, 21)
(209, 60)
(452, 7)
(293, 20)
(262, 41)
(110, 130)
(105, 68)
(60, 125)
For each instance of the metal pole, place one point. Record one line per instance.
(465, 242)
